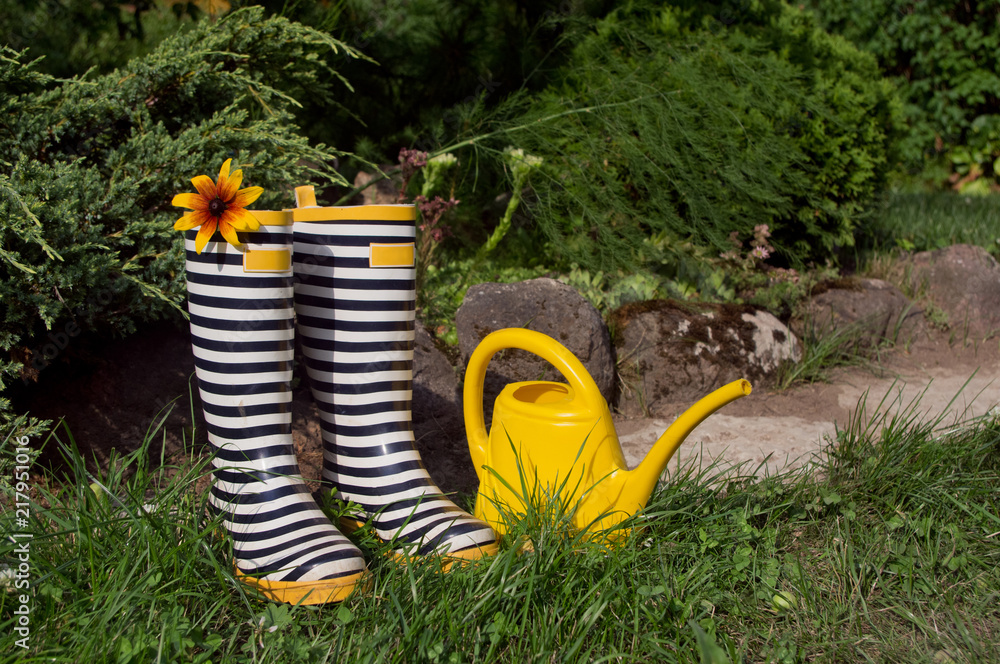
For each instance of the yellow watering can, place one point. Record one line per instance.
(556, 441)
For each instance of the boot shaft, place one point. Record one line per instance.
(242, 333)
(355, 302)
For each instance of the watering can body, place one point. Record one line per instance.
(554, 446)
(547, 447)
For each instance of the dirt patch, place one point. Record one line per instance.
(772, 431)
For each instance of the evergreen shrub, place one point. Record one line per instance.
(690, 132)
(89, 167)
(69, 37)
(945, 58)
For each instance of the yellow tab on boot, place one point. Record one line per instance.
(391, 255)
(267, 260)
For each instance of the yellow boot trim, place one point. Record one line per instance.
(449, 560)
(356, 213)
(309, 592)
(349, 525)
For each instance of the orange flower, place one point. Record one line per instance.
(218, 206)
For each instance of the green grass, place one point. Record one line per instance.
(889, 552)
(925, 221)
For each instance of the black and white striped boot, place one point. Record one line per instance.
(355, 308)
(242, 331)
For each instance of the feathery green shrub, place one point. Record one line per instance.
(691, 134)
(89, 168)
(433, 55)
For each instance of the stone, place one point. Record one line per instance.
(384, 192)
(877, 309)
(964, 281)
(544, 305)
(438, 424)
(674, 352)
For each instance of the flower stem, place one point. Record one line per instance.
(504, 225)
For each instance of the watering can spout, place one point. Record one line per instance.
(638, 484)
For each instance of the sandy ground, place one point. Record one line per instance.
(771, 431)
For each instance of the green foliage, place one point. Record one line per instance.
(76, 35)
(608, 292)
(434, 55)
(943, 55)
(90, 165)
(660, 130)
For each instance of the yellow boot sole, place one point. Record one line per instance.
(448, 560)
(309, 592)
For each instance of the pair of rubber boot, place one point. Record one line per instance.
(345, 277)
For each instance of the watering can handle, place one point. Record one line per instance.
(545, 347)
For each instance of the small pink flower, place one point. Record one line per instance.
(431, 212)
(411, 161)
(760, 252)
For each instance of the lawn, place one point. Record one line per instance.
(927, 221)
(888, 552)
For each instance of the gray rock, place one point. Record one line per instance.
(544, 305)
(876, 308)
(436, 391)
(677, 352)
(438, 424)
(964, 281)
(383, 192)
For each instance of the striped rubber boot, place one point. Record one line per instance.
(355, 308)
(243, 336)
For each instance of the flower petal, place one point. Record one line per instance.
(245, 197)
(234, 182)
(205, 234)
(255, 225)
(229, 233)
(239, 219)
(205, 186)
(191, 220)
(231, 186)
(223, 182)
(190, 201)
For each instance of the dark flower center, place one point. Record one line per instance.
(217, 206)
